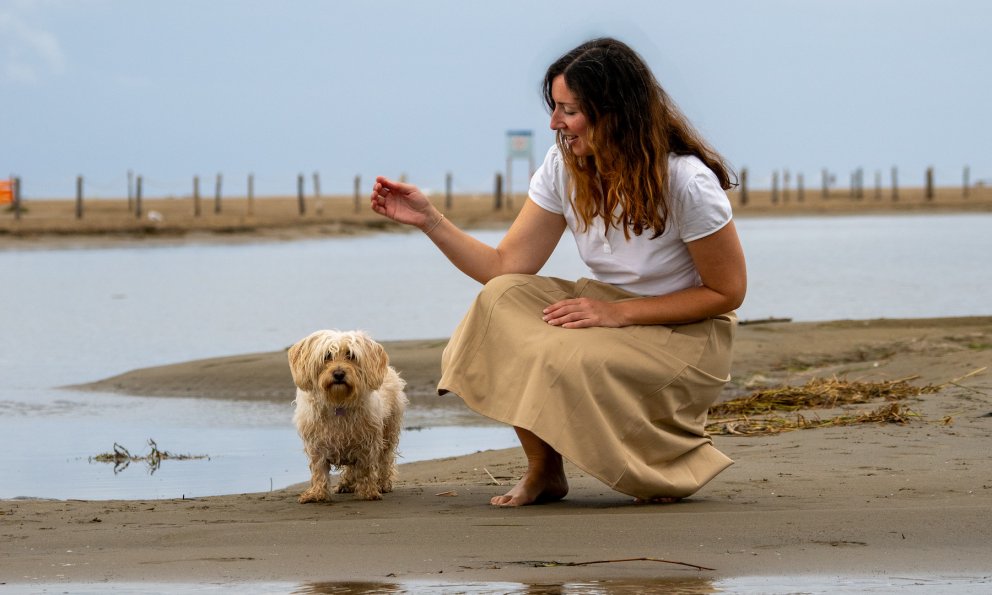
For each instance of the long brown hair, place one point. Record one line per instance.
(633, 127)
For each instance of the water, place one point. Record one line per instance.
(247, 446)
(73, 316)
(750, 585)
(901, 266)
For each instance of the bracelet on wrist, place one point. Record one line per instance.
(436, 223)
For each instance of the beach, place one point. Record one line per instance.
(876, 499)
(911, 496)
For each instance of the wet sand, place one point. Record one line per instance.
(864, 500)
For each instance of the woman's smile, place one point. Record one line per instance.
(567, 118)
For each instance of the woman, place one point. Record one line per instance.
(615, 373)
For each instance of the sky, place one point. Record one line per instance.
(169, 90)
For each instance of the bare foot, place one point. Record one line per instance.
(534, 488)
(659, 500)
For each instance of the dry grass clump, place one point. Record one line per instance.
(758, 413)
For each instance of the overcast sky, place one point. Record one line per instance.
(186, 87)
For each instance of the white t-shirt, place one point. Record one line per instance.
(698, 207)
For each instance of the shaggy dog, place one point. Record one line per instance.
(349, 407)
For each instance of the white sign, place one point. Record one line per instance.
(518, 143)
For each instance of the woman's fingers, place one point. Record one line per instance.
(579, 313)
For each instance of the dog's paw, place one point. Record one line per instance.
(313, 495)
(369, 495)
(344, 488)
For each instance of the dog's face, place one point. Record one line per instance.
(340, 365)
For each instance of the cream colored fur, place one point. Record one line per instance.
(349, 410)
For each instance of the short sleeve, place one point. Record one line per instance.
(547, 184)
(704, 207)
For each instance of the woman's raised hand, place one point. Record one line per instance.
(403, 203)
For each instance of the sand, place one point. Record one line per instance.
(911, 499)
(867, 500)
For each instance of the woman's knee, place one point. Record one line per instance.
(497, 286)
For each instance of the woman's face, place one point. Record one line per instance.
(568, 120)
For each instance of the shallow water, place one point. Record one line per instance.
(753, 585)
(248, 446)
(73, 316)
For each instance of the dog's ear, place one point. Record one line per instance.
(375, 363)
(299, 364)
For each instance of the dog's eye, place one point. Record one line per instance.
(328, 356)
(348, 354)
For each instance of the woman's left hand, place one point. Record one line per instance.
(583, 313)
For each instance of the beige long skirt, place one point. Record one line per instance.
(626, 405)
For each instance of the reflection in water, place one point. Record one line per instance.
(673, 586)
(924, 584)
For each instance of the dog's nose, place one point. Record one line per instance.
(338, 375)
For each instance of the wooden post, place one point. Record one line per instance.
(929, 189)
(825, 192)
(358, 194)
(137, 198)
(318, 207)
(217, 194)
(17, 197)
(744, 196)
(299, 195)
(251, 194)
(785, 186)
(895, 183)
(498, 192)
(447, 191)
(79, 197)
(196, 196)
(130, 190)
(509, 182)
(965, 183)
(775, 187)
(800, 191)
(878, 185)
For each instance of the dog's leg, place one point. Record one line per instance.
(367, 477)
(346, 482)
(319, 490)
(387, 457)
(387, 460)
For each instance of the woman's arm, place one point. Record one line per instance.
(720, 262)
(524, 249)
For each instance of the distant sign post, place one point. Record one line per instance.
(7, 191)
(519, 145)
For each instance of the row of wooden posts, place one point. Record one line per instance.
(779, 192)
(135, 194)
(856, 189)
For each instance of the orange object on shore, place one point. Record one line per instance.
(6, 191)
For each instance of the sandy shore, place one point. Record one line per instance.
(52, 222)
(868, 500)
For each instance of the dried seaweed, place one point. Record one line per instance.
(760, 412)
